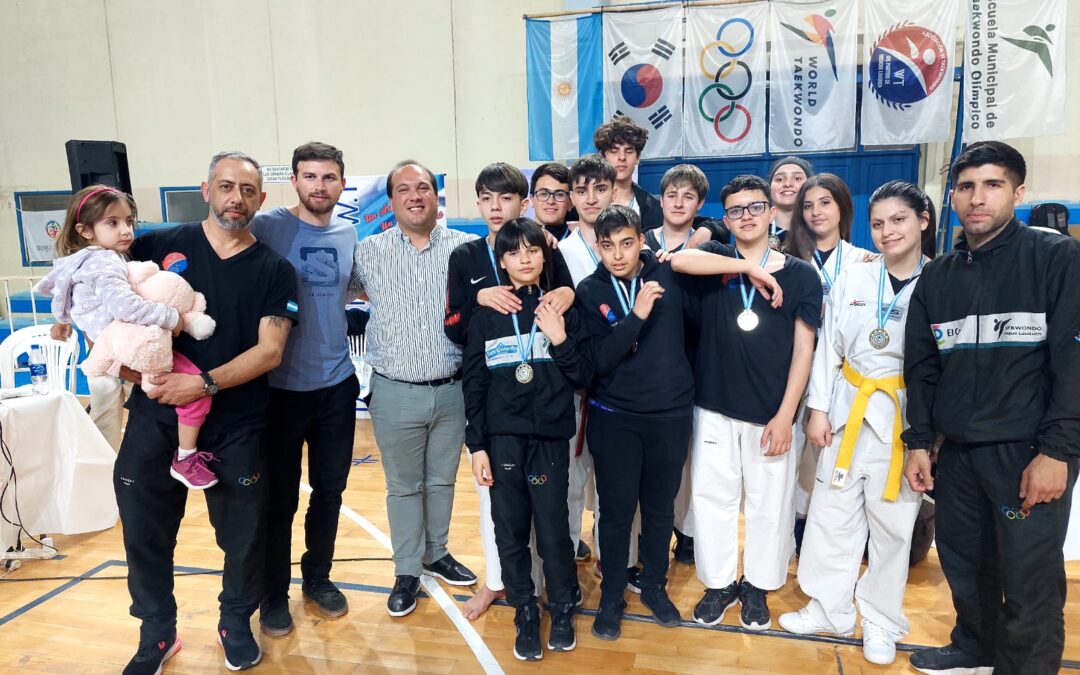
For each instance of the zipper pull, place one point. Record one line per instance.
(969, 258)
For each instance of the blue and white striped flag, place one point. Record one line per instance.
(566, 97)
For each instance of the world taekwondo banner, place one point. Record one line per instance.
(565, 97)
(643, 74)
(908, 71)
(1014, 75)
(724, 102)
(813, 75)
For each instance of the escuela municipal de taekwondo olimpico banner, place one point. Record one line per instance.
(659, 70)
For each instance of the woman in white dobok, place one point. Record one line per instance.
(856, 400)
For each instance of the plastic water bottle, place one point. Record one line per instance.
(39, 375)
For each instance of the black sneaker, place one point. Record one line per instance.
(451, 571)
(664, 611)
(949, 659)
(583, 551)
(755, 609)
(684, 549)
(402, 599)
(633, 580)
(241, 649)
(326, 597)
(527, 625)
(152, 654)
(710, 609)
(274, 617)
(608, 621)
(561, 638)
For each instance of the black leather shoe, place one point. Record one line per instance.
(451, 571)
(608, 621)
(326, 597)
(402, 599)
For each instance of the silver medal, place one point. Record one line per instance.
(879, 338)
(774, 241)
(523, 373)
(747, 320)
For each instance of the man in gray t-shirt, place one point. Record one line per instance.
(313, 392)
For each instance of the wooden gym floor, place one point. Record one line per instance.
(82, 625)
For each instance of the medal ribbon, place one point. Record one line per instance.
(748, 297)
(829, 281)
(494, 267)
(625, 301)
(525, 351)
(882, 318)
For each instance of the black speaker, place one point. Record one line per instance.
(93, 162)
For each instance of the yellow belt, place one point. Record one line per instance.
(866, 387)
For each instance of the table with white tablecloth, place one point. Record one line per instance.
(62, 464)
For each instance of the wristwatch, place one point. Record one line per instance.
(209, 386)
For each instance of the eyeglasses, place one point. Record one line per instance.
(755, 209)
(547, 195)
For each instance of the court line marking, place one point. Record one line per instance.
(435, 592)
(383, 590)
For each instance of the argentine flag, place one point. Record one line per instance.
(565, 92)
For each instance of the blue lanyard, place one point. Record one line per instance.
(663, 241)
(829, 281)
(625, 301)
(524, 351)
(494, 267)
(748, 298)
(882, 318)
(592, 254)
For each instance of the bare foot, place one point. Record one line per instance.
(479, 603)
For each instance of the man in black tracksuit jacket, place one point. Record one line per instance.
(641, 410)
(992, 363)
(525, 428)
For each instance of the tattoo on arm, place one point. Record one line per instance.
(277, 321)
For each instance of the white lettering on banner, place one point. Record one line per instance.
(504, 350)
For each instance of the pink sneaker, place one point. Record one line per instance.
(192, 471)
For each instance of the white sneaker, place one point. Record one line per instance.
(803, 622)
(878, 645)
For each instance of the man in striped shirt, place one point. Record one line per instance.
(417, 409)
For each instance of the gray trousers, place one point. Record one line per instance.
(420, 431)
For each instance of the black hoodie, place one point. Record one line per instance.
(496, 404)
(641, 367)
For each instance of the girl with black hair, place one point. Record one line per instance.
(520, 373)
(856, 400)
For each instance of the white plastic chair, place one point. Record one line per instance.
(60, 357)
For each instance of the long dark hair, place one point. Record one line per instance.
(526, 232)
(801, 241)
(917, 201)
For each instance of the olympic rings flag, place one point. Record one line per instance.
(812, 81)
(724, 97)
(910, 53)
(643, 74)
(1014, 73)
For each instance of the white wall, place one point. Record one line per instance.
(439, 80)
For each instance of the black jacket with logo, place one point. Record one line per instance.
(470, 272)
(496, 404)
(641, 367)
(993, 344)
